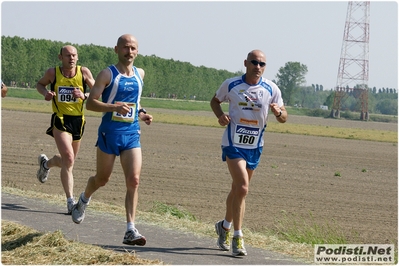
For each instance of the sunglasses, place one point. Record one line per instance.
(256, 62)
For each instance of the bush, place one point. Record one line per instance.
(350, 115)
(318, 112)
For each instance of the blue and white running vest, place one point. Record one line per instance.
(122, 89)
(248, 110)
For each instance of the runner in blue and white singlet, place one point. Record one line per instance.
(248, 110)
(116, 93)
(124, 90)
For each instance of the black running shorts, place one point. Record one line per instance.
(74, 125)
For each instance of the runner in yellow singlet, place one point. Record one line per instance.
(4, 89)
(67, 93)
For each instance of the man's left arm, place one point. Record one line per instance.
(89, 80)
(279, 112)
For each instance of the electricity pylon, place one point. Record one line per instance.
(353, 70)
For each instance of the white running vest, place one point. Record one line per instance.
(248, 110)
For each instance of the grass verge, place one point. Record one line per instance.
(298, 229)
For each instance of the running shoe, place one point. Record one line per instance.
(223, 241)
(133, 237)
(78, 211)
(42, 173)
(238, 246)
(70, 205)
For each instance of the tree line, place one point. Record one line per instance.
(291, 77)
(24, 61)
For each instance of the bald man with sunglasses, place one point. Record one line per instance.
(251, 98)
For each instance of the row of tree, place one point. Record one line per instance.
(378, 103)
(24, 61)
(317, 87)
(292, 75)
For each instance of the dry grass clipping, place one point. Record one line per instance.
(21, 245)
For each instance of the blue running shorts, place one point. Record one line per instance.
(251, 156)
(116, 143)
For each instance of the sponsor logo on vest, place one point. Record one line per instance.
(248, 130)
(249, 122)
(65, 90)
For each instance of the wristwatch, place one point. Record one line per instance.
(142, 110)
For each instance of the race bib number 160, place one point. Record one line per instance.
(245, 135)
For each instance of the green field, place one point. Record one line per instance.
(31, 101)
(187, 105)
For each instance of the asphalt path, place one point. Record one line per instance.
(169, 246)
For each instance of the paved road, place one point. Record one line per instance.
(169, 246)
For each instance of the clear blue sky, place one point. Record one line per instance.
(218, 34)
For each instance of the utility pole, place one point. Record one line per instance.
(353, 70)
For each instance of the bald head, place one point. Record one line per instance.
(69, 49)
(125, 38)
(256, 54)
(68, 56)
(255, 66)
(127, 49)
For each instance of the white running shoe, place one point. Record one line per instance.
(78, 211)
(133, 237)
(223, 241)
(70, 205)
(42, 173)
(238, 246)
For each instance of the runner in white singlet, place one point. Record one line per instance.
(251, 97)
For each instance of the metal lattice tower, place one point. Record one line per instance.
(353, 70)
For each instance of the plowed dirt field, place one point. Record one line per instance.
(182, 166)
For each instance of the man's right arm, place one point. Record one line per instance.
(41, 85)
(216, 108)
(94, 104)
(223, 119)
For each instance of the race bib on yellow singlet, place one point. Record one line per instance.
(129, 117)
(65, 94)
(246, 135)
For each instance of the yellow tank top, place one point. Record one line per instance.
(63, 101)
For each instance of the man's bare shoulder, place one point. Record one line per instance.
(50, 71)
(141, 72)
(85, 70)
